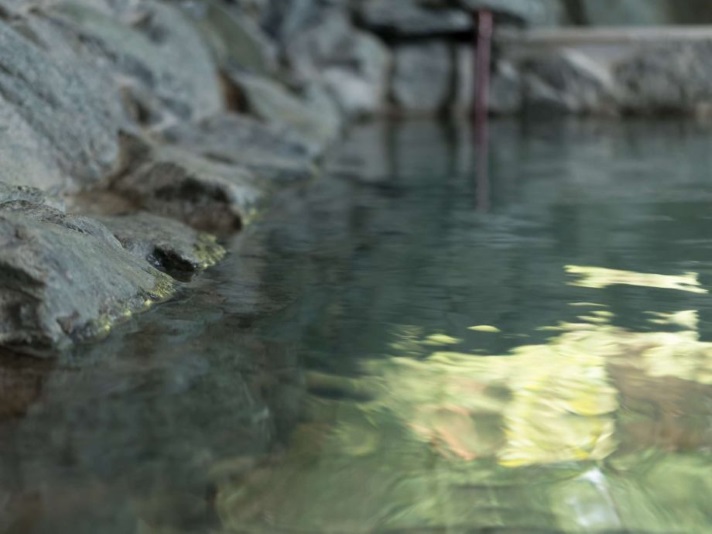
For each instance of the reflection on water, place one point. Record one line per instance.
(378, 355)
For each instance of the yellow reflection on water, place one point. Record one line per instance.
(600, 277)
(432, 435)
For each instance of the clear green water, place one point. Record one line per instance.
(389, 351)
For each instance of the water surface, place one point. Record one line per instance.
(408, 346)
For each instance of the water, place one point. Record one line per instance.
(406, 346)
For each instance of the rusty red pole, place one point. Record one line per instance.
(483, 54)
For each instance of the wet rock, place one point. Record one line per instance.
(44, 90)
(405, 18)
(170, 246)
(422, 77)
(204, 194)
(274, 104)
(272, 153)
(668, 78)
(568, 82)
(64, 277)
(352, 64)
(235, 40)
(158, 53)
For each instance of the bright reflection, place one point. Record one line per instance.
(574, 427)
(599, 278)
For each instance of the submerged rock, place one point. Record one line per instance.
(170, 246)
(64, 277)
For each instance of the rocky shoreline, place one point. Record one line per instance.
(135, 131)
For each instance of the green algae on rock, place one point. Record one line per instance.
(64, 278)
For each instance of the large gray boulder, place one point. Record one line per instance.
(406, 18)
(422, 77)
(568, 82)
(236, 40)
(60, 118)
(667, 78)
(628, 12)
(271, 153)
(62, 277)
(526, 12)
(352, 64)
(158, 57)
(207, 195)
(169, 245)
(275, 104)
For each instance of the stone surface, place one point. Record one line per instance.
(352, 64)
(285, 19)
(667, 78)
(235, 40)
(627, 13)
(422, 77)
(44, 90)
(404, 18)
(158, 53)
(464, 80)
(206, 195)
(170, 246)
(64, 277)
(274, 104)
(506, 91)
(270, 152)
(528, 12)
(568, 82)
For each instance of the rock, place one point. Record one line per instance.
(27, 157)
(44, 89)
(405, 18)
(526, 12)
(272, 103)
(628, 13)
(286, 19)
(206, 195)
(159, 53)
(506, 91)
(168, 245)
(463, 96)
(422, 77)
(667, 78)
(568, 82)
(22, 193)
(64, 278)
(270, 152)
(235, 40)
(352, 64)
